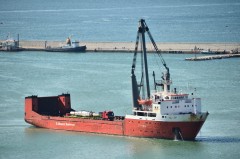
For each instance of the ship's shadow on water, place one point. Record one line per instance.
(218, 139)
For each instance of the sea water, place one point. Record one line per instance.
(109, 20)
(101, 81)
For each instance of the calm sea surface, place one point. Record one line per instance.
(111, 20)
(101, 81)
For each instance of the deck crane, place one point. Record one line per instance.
(144, 83)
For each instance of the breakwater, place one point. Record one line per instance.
(171, 47)
(212, 57)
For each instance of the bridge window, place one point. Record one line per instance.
(152, 114)
(140, 113)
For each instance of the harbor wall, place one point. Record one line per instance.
(129, 46)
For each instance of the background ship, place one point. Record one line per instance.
(10, 44)
(71, 46)
(161, 114)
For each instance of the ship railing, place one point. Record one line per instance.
(144, 113)
(159, 91)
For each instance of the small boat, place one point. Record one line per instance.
(208, 51)
(69, 47)
(10, 45)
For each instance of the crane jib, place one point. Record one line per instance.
(153, 42)
(136, 88)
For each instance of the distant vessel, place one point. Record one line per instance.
(163, 114)
(10, 44)
(208, 51)
(69, 47)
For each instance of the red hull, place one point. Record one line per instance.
(160, 129)
(77, 124)
(123, 127)
(127, 127)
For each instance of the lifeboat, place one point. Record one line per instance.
(145, 101)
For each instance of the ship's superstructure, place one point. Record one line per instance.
(162, 113)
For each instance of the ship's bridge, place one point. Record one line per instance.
(162, 96)
(174, 103)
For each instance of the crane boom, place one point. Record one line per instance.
(159, 54)
(154, 45)
(156, 48)
(136, 88)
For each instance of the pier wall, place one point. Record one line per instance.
(129, 46)
(165, 47)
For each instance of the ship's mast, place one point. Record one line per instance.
(136, 88)
(142, 29)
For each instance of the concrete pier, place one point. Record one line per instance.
(212, 57)
(170, 47)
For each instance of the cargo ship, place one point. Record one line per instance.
(160, 113)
